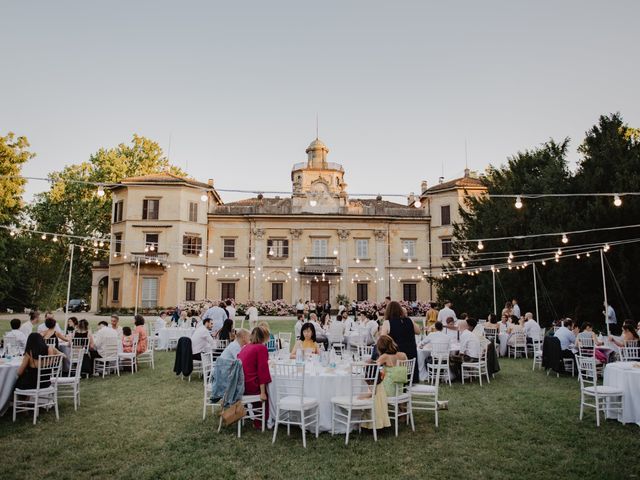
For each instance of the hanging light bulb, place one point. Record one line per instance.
(100, 191)
(152, 247)
(578, 256)
(146, 249)
(510, 256)
(509, 260)
(54, 239)
(565, 239)
(606, 247)
(95, 242)
(313, 202)
(335, 251)
(253, 257)
(559, 252)
(101, 243)
(408, 260)
(480, 245)
(82, 250)
(204, 197)
(44, 236)
(305, 260)
(460, 259)
(544, 262)
(211, 250)
(518, 202)
(271, 252)
(417, 203)
(12, 233)
(588, 254)
(405, 250)
(357, 260)
(617, 201)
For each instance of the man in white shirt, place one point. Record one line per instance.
(161, 322)
(566, 336)
(231, 310)
(531, 327)
(341, 309)
(446, 312)
(372, 328)
(16, 332)
(218, 315)
(104, 336)
(438, 337)
(114, 325)
(232, 350)
(252, 312)
(201, 340)
(43, 326)
(469, 346)
(28, 326)
(515, 308)
(349, 323)
(299, 307)
(321, 336)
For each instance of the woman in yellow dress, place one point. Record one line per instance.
(308, 340)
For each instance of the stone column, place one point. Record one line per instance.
(381, 256)
(296, 260)
(343, 236)
(259, 249)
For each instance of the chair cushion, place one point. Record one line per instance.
(357, 402)
(399, 399)
(250, 398)
(64, 380)
(292, 402)
(430, 389)
(603, 390)
(33, 391)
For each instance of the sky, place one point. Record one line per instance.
(231, 90)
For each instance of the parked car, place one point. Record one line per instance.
(77, 305)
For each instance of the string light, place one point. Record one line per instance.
(480, 245)
(510, 255)
(100, 191)
(54, 239)
(518, 202)
(204, 197)
(313, 202)
(565, 239)
(617, 201)
(43, 237)
(417, 203)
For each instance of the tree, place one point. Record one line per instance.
(73, 207)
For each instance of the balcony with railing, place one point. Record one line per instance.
(149, 258)
(320, 265)
(330, 166)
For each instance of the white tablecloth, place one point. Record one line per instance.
(166, 334)
(321, 384)
(424, 353)
(624, 376)
(8, 377)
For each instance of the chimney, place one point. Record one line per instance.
(423, 186)
(411, 198)
(210, 182)
(466, 172)
(440, 179)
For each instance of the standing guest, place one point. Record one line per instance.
(507, 310)
(231, 309)
(16, 332)
(183, 319)
(176, 315)
(321, 335)
(305, 310)
(138, 321)
(372, 328)
(252, 314)
(201, 340)
(446, 312)
(326, 308)
(72, 324)
(402, 330)
(233, 349)
(127, 340)
(354, 308)
(531, 327)
(430, 317)
(341, 308)
(610, 315)
(297, 328)
(35, 348)
(114, 324)
(52, 330)
(515, 308)
(299, 307)
(307, 342)
(312, 308)
(28, 326)
(218, 315)
(226, 332)
(255, 365)
(161, 322)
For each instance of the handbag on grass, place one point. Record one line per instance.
(232, 414)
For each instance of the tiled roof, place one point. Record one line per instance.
(164, 177)
(462, 182)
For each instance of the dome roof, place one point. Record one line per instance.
(317, 144)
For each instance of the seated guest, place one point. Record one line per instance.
(451, 329)
(255, 365)
(35, 348)
(371, 325)
(308, 341)
(438, 337)
(51, 332)
(272, 344)
(350, 324)
(567, 338)
(201, 340)
(629, 334)
(43, 326)
(531, 327)
(82, 331)
(588, 333)
(491, 323)
(127, 340)
(336, 330)
(72, 324)
(138, 321)
(470, 347)
(161, 322)
(321, 336)
(233, 349)
(102, 338)
(504, 324)
(226, 332)
(114, 324)
(16, 332)
(478, 331)
(389, 357)
(297, 329)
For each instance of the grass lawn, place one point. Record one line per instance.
(149, 425)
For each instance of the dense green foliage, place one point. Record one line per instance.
(610, 162)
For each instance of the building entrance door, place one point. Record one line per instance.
(319, 292)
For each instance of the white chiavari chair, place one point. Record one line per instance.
(45, 395)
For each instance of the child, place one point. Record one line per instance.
(127, 340)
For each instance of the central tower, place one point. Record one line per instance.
(318, 186)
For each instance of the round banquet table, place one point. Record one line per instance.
(322, 384)
(8, 377)
(424, 353)
(166, 334)
(626, 377)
